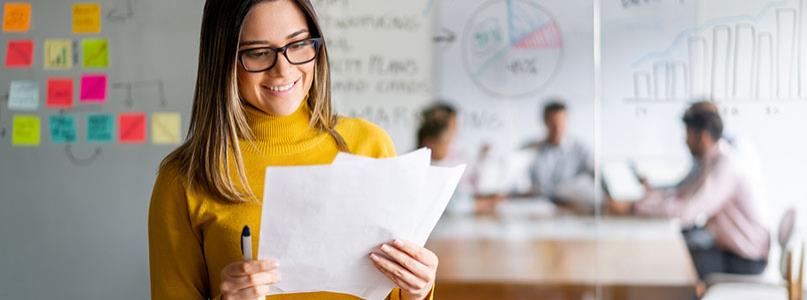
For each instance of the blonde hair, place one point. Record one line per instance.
(218, 120)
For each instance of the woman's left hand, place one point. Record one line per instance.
(412, 267)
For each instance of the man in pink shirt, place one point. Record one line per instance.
(716, 202)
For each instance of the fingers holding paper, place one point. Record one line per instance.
(248, 279)
(410, 266)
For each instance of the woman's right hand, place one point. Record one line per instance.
(248, 279)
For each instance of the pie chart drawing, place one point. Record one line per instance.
(511, 48)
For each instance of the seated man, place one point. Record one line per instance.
(718, 194)
(559, 159)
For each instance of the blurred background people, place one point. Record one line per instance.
(716, 202)
(563, 167)
(438, 131)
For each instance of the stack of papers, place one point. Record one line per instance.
(321, 222)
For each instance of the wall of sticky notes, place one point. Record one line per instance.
(76, 78)
(93, 94)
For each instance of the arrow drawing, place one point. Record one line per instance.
(129, 88)
(445, 36)
(163, 101)
(68, 150)
(120, 15)
(3, 128)
(75, 53)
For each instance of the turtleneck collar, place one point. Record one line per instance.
(282, 134)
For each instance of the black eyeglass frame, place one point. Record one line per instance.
(317, 44)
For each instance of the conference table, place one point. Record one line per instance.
(524, 256)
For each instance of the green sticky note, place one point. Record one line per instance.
(26, 130)
(62, 129)
(95, 53)
(100, 128)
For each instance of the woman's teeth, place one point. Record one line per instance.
(281, 88)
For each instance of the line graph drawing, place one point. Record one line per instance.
(760, 57)
(512, 48)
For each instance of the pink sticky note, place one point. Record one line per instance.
(93, 88)
(60, 93)
(20, 54)
(132, 128)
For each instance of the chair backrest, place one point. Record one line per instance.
(786, 225)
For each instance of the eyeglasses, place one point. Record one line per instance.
(264, 58)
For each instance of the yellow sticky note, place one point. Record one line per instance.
(16, 17)
(86, 18)
(26, 130)
(58, 54)
(165, 128)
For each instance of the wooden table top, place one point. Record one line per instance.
(563, 250)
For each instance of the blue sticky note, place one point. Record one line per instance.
(100, 128)
(23, 95)
(62, 129)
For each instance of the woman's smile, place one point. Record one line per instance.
(281, 89)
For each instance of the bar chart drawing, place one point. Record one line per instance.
(733, 59)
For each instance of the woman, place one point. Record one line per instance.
(437, 130)
(262, 99)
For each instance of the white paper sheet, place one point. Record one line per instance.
(420, 156)
(622, 182)
(320, 222)
(441, 184)
(436, 181)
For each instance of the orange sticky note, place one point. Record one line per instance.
(132, 128)
(16, 17)
(60, 93)
(86, 18)
(20, 54)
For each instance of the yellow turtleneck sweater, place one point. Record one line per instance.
(192, 236)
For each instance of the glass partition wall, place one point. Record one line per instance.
(703, 101)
